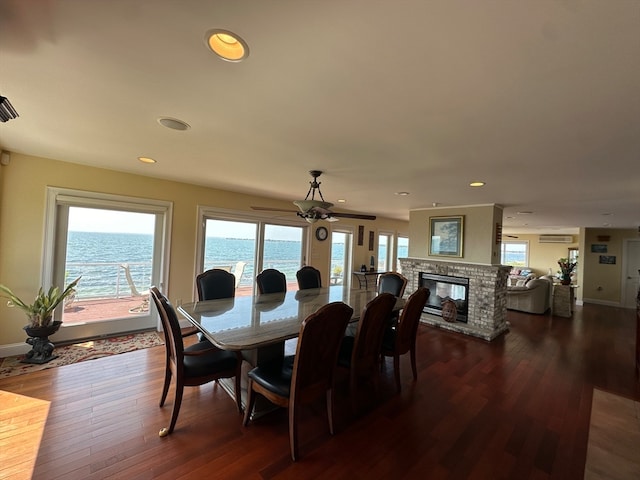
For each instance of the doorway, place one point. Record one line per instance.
(630, 272)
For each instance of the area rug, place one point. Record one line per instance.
(84, 351)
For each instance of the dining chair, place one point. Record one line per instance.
(308, 277)
(392, 282)
(271, 280)
(361, 354)
(191, 366)
(215, 284)
(296, 380)
(401, 338)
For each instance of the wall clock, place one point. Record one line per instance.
(322, 233)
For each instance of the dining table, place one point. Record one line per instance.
(259, 325)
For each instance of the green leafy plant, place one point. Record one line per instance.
(40, 312)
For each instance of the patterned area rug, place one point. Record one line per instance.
(81, 352)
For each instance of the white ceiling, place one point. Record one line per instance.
(538, 98)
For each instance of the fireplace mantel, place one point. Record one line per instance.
(486, 318)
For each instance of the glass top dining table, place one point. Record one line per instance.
(251, 322)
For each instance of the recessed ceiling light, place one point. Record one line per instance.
(342, 200)
(227, 45)
(146, 160)
(173, 123)
(402, 194)
(477, 184)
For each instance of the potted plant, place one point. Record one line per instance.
(40, 314)
(566, 269)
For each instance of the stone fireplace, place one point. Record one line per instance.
(487, 294)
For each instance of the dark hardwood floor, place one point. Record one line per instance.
(516, 408)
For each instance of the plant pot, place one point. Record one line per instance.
(42, 348)
(566, 280)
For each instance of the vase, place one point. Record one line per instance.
(41, 348)
(566, 279)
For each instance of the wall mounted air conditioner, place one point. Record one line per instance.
(555, 239)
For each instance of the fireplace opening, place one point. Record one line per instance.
(442, 288)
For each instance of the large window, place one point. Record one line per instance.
(117, 245)
(403, 251)
(385, 252)
(515, 254)
(246, 246)
(341, 253)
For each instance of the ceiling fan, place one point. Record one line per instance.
(312, 209)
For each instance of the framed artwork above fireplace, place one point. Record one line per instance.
(446, 236)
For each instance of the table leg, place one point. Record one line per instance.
(251, 358)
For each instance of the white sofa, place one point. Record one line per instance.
(535, 296)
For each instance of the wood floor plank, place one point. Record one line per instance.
(518, 407)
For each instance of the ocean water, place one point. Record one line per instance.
(99, 257)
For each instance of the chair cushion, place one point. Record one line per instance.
(205, 364)
(275, 375)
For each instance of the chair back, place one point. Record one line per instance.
(271, 280)
(308, 277)
(215, 284)
(171, 326)
(368, 341)
(409, 319)
(392, 283)
(317, 350)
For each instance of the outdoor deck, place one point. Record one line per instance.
(82, 311)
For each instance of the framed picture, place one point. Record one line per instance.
(598, 248)
(608, 259)
(446, 236)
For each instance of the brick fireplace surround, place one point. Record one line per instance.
(487, 295)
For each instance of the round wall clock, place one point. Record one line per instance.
(322, 233)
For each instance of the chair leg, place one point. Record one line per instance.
(238, 393)
(330, 406)
(251, 400)
(293, 431)
(413, 362)
(174, 413)
(165, 387)
(396, 371)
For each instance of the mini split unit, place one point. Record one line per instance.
(555, 239)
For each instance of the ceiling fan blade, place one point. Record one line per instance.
(353, 215)
(268, 209)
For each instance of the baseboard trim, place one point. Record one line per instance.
(12, 349)
(601, 302)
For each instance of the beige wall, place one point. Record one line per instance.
(22, 202)
(479, 241)
(545, 256)
(603, 282)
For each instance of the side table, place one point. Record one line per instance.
(563, 298)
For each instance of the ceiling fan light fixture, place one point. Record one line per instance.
(227, 45)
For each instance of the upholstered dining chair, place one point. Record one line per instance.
(392, 283)
(300, 379)
(401, 338)
(361, 354)
(271, 280)
(191, 366)
(308, 277)
(215, 284)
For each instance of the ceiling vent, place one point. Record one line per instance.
(555, 239)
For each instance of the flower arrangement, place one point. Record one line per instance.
(566, 269)
(40, 312)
